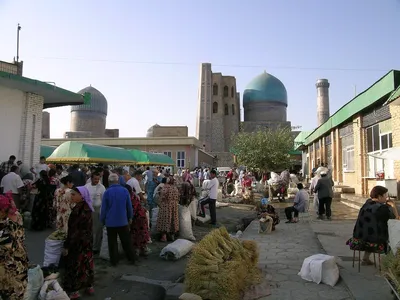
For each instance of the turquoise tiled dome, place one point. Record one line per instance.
(265, 88)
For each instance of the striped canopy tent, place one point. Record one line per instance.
(76, 152)
(46, 151)
(155, 159)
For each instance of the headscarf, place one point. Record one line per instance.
(7, 204)
(86, 196)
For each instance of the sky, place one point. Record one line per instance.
(144, 56)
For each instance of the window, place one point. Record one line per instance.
(226, 91)
(348, 158)
(168, 153)
(180, 159)
(226, 110)
(232, 92)
(215, 107)
(233, 109)
(379, 139)
(215, 89)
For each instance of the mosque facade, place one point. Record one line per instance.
(265, 105)
(89, 120)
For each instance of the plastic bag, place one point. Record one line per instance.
(265, 225)
(320, 268)
(185, 223)
(176, 250)
(51, 290)
(394, 235)
(104, 253)
(52, 252)
(35, 282)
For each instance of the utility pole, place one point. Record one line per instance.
(18, 30)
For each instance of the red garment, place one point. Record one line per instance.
(140, 226)
(229, 175)
(247, 182)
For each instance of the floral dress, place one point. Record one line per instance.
(139, 226)
(62, 208)
(13, 260)
(168, 217)
(79, 264)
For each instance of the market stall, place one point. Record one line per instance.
(46, 151)
(75, 152)
(155, 159)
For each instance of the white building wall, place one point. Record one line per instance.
(21, 123)
(11, 110)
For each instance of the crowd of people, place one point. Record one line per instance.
(82, 202)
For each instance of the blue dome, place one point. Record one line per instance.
(265, 88)
(98, 103)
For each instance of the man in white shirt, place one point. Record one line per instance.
(41, 166)
(12, 182)
(96, 191)
(211, 199)
(134, 183)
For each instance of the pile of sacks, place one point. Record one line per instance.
(222, 267)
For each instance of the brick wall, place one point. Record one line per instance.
(395, 112)
(31, 129)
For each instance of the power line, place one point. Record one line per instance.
(214, 64)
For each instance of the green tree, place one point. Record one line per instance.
(265, 149)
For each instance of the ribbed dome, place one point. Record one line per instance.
(265, 88)
(150, 131)
(98, 103)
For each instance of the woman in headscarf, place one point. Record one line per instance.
(62, 203)
(152, 183)
(140, 226)
(78, 247)
(168, 218)
(13, 254)
(187, 193)
(41, 210)
(265, 209)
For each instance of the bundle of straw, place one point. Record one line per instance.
(222, 267)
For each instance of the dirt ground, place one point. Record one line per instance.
(107, 278)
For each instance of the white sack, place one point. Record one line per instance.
(176, 250)
(294, 179)
(52, 252)
(320, 268)
(265, 225)
(104, 253)
(204, 220)
(55, 291)
(187, 296)
(185, 224)
(221, 204)
(35, 282)
(193, 208)
(154, 217)
(316, 203)
(394, 235)
(292, 191)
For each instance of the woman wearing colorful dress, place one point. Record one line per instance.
(139, 227)
(168, 218)
(78, 247)
(13, 254)
(62, 203)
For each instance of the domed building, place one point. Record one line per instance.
(89, 119)
(265, 103)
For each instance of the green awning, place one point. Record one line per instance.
(155, 159)
(53, 95)
(46, 151)
(76, 152)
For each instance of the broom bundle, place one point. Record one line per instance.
(222, 267)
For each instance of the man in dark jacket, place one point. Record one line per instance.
(324, 188)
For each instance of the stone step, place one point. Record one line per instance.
(352, 204)
(354, 197)
(344, 189)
